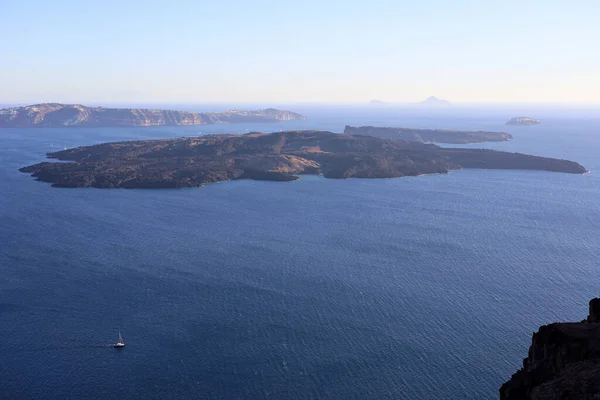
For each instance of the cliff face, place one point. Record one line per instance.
(138, 117)
(191, 162)
(268, 114)
(563, 362)
(53, 115)
(429, 135)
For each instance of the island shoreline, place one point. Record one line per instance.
(279, 156)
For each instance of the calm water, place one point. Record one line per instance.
(412, 288)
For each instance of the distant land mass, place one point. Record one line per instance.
(523, 121)
(376, 102)
(55, 115)
(434, 102)
(280, 156)
(563, 362)
(429, 135)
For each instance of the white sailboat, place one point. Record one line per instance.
(120, 343)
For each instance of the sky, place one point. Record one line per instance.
(261, 51)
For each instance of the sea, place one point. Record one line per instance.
(424, 287)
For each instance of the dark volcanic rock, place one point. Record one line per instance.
(563, 362)
(429, 135)
(491, 159)
(191, 162)
(52, 115)
(594, 315)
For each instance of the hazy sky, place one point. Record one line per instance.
(310, 50)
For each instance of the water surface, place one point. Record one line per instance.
(422, 287)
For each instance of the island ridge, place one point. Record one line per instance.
(55, 115)
(280, 156)
(429, 135)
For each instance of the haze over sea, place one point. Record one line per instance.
(415, 288)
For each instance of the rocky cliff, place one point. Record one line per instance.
(54, 115)
(563, 362)
(429, 135)
(192, 162)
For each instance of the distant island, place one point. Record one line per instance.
(55, 115)
(563, 362)
(434, 102)
(429, 135)
(280, 156)
(523, 121)
(376, 102)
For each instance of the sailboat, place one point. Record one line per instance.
(120, 343)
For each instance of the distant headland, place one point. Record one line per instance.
(429, 135)
(55, 115)
(522, 121)
(280, 156)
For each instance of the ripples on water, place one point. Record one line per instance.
(426, 287)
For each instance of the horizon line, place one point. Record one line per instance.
(382, 104)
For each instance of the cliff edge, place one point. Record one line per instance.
(563, 362)
(56, 115)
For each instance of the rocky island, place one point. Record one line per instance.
(434, 102)
(280, 156)
(563, 362)
(429, 135)
(55, 115)
(522, 121)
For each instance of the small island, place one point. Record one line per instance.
(522, 121)
(280, 156)
(434, 102)
(563, 362)
(429, 135)
(56, 115)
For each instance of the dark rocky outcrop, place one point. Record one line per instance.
(594, 315)
(522, 121)
(429, 135)
(54, 115)
(191, 162)
(563, 362)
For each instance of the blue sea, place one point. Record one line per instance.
(414, 288)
